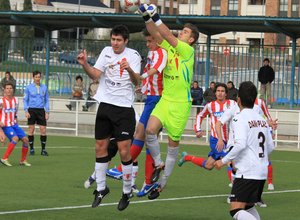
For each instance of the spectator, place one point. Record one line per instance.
(8, 79)
(232, 91)
(266, 76)
(209, 94)
(197, 94)
(92, 91)
(36, 107)
(77, 92)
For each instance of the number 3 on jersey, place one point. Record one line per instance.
(261, 138)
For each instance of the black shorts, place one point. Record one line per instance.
(37, 116)
(246, 190)
(114, 121)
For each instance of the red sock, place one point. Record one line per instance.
(10, 148)
(270, 173)
(24, 152)
(135, 151)
(119, 168)
(149, 168)
(229, 173)
(195, 160)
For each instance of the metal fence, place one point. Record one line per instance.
(227, 62)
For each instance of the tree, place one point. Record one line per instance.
(4, 32)
(26, 34)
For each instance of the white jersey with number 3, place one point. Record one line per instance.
(252, 145)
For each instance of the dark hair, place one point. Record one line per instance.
(7, 72)
(34, 73)
(212, 82)
(9, 84)
(267, 59)
(231, 83)
(195, 31)
(146, 32)
(79, 77)
(120, 30)
(196, 81)
(247, 94)
(221, 85)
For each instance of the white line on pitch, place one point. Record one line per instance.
(134, 202)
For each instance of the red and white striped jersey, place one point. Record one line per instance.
(263, 107)
(215, 109)
(8, 111)
(153, 85)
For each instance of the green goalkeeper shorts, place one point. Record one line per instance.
(173, 116)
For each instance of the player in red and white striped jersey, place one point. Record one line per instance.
(8, 116)
(215, 109)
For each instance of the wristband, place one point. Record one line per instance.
(156, 19)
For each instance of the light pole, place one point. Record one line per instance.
(77, 32)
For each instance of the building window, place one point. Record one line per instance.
(215, 7)
(295, 8)
(233, 6)
(283, 8)
(256, 2)
(281, 38)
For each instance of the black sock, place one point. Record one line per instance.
(43, 141)
(31, 141)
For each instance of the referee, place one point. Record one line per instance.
(36, 107)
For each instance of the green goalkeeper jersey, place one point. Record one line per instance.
(178, 73)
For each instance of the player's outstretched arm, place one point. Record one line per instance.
(92, 72)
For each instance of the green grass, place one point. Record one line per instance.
(57, 181)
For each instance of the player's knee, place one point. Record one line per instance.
(15, 139)
(234, 211)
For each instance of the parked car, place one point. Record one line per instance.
(71, 57)
(40, 44)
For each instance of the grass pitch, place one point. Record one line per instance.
(53, 187)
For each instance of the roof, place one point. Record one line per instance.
(95, 3)
(209, 25)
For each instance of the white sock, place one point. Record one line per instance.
(169, 166)
(154, 148)
(100, 174)
(93, 175)
(243, 215)
(254, 212)
(135, 170)
(127, 176)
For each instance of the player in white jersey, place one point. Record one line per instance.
(252, 145)
(9, 124)
(118, 69)
(261, 108)
(215, 109)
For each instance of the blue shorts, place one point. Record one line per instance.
(150, 104)
(13, 131)
(214, 153)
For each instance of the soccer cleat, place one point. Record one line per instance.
(114, 173)
(31, 152)
(89, 182)
(147, 188)
(25, 163)
(261, 204)
(271, 186)
(6, 162)
(124, 201)
(44, 153)
(154, 193)
(156, 173)
(181, 160)
(134, 189)
(99, 196)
